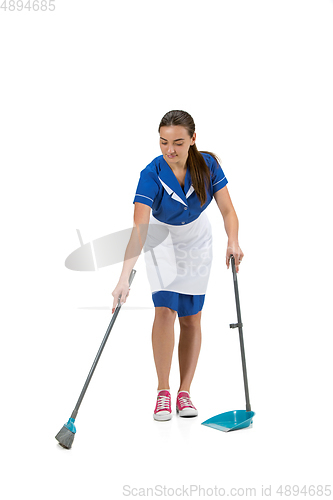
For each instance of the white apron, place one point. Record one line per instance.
(179, 258)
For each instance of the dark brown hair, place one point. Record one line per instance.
(199, 171)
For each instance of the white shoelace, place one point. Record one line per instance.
(163, 403)
(186, 401)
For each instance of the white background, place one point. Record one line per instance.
(82, 92)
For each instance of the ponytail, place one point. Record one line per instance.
(199, 171)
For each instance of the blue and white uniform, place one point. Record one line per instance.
(178, 246)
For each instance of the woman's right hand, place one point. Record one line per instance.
(122, 291)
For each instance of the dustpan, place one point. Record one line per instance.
(237, 419)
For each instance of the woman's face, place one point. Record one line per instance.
(175, 143)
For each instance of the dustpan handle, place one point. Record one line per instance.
(240, 330)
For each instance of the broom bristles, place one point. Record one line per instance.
(65, 437)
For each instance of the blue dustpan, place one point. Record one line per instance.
(237, 419)
(230, 420)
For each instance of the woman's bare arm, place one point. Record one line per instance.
(231, 225)
(133, 250)
(137, 239)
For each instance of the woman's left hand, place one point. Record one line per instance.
(235, 250)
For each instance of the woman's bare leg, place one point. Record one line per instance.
(163, 340)
(188, 348)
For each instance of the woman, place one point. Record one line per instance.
(169, 218)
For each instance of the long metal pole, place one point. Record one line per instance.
(240, 330)
(100, 350)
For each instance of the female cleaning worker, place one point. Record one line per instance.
(170, 220)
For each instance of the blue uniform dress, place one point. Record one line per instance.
(172, 206)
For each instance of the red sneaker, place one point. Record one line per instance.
(163, 406)
(184, 405)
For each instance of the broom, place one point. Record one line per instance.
(67, 433)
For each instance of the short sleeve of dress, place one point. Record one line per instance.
(219, 180)
(147, 188)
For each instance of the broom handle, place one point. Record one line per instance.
(114, 316)
(240, 330)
